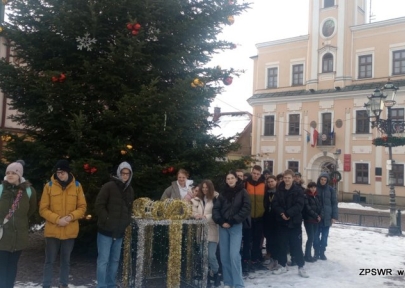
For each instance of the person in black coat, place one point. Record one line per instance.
(288, 203)
(270, 224)
(231, 209)
(114, 209)
(312, 215)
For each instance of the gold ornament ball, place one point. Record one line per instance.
(231, 19)
(1, 29)
(196, 81)
(193, 85)
(129, 146)
(123, 152)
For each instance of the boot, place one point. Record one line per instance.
(308, 258)
(322, 256)
(245, 268)
(217, 281)
(316, 255)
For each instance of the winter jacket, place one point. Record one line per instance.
(256, 190)
(57, 202)
(232, 206)
(269, 216)
(200, 209)
(114, 206)
(312, 207)
(328, 199)
(290, 202)
(173, 190)
(15, 231)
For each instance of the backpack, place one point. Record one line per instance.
(76, 182)
(29, 191)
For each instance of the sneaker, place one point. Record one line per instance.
(302, 272)
(280, 270)
(258, 266)
(273, 265)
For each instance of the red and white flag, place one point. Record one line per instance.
(314, 137)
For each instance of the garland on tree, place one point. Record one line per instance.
(388, 141)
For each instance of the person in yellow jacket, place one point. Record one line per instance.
(62, 205)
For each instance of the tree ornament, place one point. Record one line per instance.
(197, 82)
(62, 77)
(129, 146)
(130, 26)
(231, 19)
(137, 26)
(93, 170)
(123, 152)
(193, 85)
(164, 171)
(227, 80)
(135, 32)
(55, 79)
(85, 42)
(170, 169)
(86, 166)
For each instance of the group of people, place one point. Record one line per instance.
(256, 206)
(62, 204)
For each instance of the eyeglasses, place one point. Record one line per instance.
(125, 174)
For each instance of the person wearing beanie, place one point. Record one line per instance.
(17, 203)
(113, 207)
(62, 205)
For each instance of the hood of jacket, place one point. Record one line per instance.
(323, 174)
(124, 165)
(255, 183)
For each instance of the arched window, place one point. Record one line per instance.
(327, 63)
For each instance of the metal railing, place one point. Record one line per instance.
(378, 221)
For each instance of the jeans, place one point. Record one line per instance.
(312, 229)
(321, 238)
(8, 268)
(109, 253)
(52, 247)
(212, 257)
(229, 246)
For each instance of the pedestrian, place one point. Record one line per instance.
(252, 238)
(230, 210)
(270, 224)
(178, 189)
(114, 208)
(202, 206)
(328, 200)
(312, 215)
(17, 203)
(192, 192)
(288, 203)
(62, 205)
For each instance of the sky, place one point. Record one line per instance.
(270, 20)
(350, 249)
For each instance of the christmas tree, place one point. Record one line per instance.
(98, 82)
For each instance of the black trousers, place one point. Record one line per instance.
(293, 237)
(271, 241)
(252, 239)
(8, 268)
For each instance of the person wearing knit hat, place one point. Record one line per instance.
(114, 208)
(16, 206)
(62, 205)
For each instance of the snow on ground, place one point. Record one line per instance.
(360, 207)
(350, 249)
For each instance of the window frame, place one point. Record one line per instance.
(327, 3)
(269, 167)
(294, 130)
(366, 74)
(268, 76)
(365, 169)
(329, 65)
(300, 74)
(364, 125)
(400, 60)
(265, 125)
(295, 168)
(398, 174)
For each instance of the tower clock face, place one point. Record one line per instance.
(328, 28)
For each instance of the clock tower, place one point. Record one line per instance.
(330, 43)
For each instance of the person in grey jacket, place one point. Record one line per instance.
(113, 207)
(178, 189)
(328, 200)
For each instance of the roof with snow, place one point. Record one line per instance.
(230, 124)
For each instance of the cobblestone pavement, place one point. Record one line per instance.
(30, 266)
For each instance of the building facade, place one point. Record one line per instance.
(309, 96)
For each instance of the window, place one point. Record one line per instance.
(397, 115)
(398, 64)
(398, 173)
(272, 74)
(361, 173)
(362, 122)
(298, 74)
(269, 125)
(326, 136)
(365, 66)
(328, 3)
(268, 164)
(293, 165)
(327, 63)
(294, 124)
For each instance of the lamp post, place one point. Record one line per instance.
(336, 155)
(386, 126)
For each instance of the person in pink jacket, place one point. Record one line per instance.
(202, 209)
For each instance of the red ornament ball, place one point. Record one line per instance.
(62, 77)
(170, 169)
(86, 166)
(93, 170)
(227, 80)
(55, 79)
(137, 26)
(135, 32)
(130, 26)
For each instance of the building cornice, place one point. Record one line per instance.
(282, 41)
(378, 24)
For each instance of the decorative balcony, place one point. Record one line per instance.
(326, 139)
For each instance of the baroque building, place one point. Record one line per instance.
(309, 96)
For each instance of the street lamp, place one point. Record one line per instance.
(386, 126)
